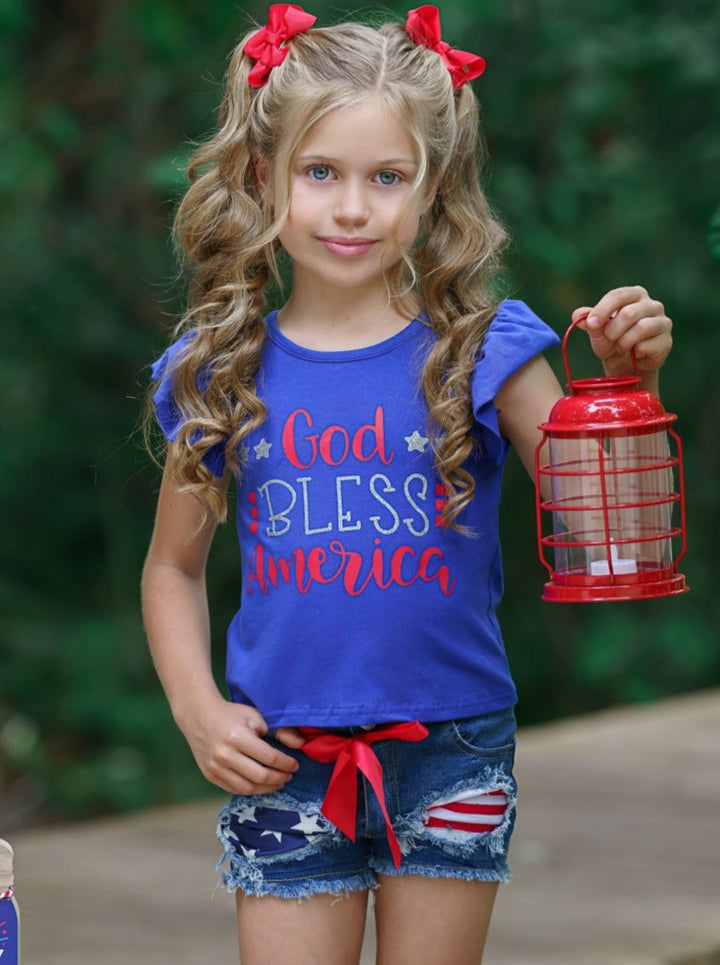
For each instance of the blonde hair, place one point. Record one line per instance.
(225, 226)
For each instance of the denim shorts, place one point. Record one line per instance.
(450, 798)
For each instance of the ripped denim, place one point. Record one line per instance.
(451, 799)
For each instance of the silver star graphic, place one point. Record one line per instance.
(262, 449)
(416, 442)
(248, 852)
(244, 453)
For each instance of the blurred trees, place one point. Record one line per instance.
(603, 125)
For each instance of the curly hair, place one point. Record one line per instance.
(228, 229)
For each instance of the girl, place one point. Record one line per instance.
(369, 735)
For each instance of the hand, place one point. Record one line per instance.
(227, 742)
(625, 319)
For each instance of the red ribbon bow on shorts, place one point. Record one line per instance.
(423, 25)
(285, 20)
(353, 754)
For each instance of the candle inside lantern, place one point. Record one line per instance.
(620, 566)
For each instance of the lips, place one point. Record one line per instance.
(347, 247)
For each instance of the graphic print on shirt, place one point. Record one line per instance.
(372, 492)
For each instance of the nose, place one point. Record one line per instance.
(351, 204)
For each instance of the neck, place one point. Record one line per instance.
(338, 321)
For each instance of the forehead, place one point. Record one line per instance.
(369, 129)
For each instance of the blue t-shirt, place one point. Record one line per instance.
(358, 606)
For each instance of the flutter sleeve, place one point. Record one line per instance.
(168, 415)
(516, 335)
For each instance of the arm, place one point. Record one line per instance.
(225, 738)
(523, 403)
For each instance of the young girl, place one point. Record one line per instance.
(368, 739)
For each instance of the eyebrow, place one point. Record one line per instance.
(385, 162)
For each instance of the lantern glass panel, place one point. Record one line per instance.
(612, 488)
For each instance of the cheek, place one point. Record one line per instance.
(407, 228)
(302, 205)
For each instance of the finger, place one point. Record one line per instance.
(247, 788)
(652, 352)
(612, 302)
(253, 720)
(635, 322)
(579, 312)
(229, 769)
(248, 759)
(259, 773)
(262, 753)
(603, 347)
(235, 783)
(630, 328)
(291, 737)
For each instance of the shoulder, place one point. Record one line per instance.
(517, 330)
(163, 365)
(515, 336)
(170, 413)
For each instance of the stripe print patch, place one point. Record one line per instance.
(472, 811)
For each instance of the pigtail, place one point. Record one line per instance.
(224, 231)
(456, 264)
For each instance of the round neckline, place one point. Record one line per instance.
(342, 355)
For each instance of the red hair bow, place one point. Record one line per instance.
(423, 25)
(285, 20)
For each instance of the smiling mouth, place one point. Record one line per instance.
(347, 247)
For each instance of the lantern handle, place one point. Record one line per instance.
(565, 354)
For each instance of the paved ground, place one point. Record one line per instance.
(616, 860)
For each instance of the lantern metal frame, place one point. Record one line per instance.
(577, 585)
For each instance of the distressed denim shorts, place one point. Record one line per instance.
(450, 798)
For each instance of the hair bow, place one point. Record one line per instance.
(266, 46)
(423, 25)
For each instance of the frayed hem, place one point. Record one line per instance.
(496, 875)
(297, 889)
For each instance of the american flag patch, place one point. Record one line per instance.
(472, 811)
(263, 831)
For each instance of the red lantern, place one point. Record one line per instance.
(609, 488)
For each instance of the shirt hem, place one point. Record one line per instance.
(362, 717)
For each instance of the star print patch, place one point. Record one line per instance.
(261, 831)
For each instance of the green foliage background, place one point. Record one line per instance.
(603, 123)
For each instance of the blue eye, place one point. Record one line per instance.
(388, 178)
(319, 172)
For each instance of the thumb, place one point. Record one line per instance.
(602, 347)
(255, 721)
(290, 737)
(590, 322)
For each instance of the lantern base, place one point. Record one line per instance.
(602, 592)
